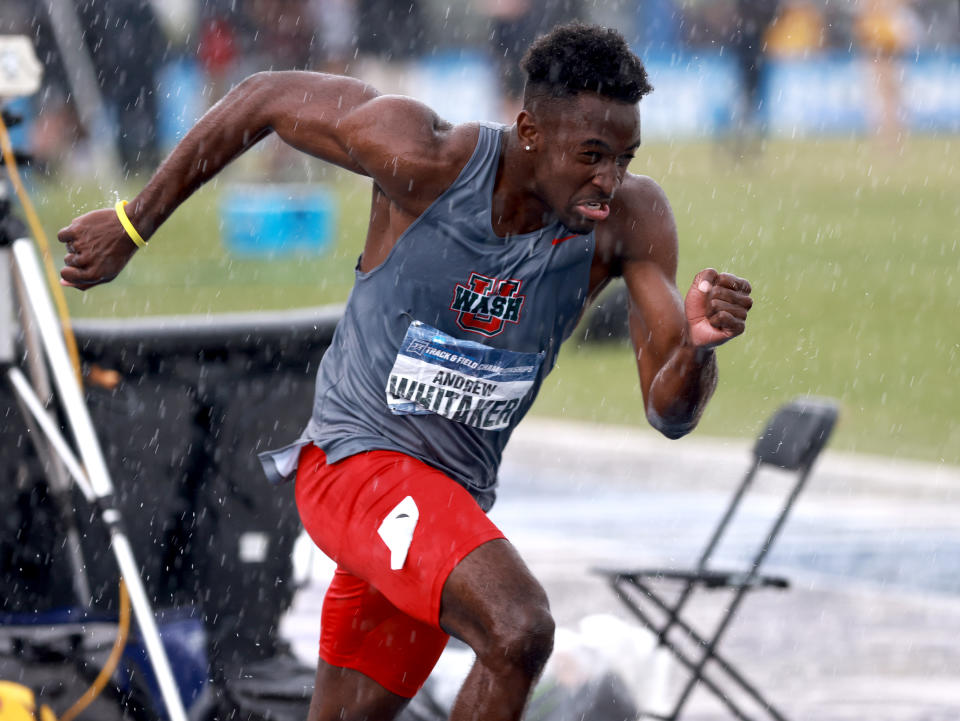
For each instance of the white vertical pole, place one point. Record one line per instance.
(79, 418)
(7, 329)
(41, 308)
(11, 286)
(83, 82)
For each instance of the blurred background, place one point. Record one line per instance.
(809, 145)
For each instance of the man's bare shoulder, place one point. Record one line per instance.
(414, 147)
(641, 224)
(639, 202)
(404, 126)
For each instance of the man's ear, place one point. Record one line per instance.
(527, 130)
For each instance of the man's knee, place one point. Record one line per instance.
(520, 639)
(492, 602)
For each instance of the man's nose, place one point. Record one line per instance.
(606, 180)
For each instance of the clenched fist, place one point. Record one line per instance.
(97, 249)
(716, 306)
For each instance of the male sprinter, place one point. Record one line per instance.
(485, 245)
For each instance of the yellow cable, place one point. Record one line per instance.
(53, 278)
(123, 628)
(36, 229)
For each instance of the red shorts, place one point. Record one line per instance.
(383, 621)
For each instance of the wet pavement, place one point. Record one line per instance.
(870, 628)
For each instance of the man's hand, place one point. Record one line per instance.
(97, 249)
(716, 306)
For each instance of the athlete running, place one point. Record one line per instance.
(485, 245)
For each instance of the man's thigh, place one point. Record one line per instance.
(393, 521)
(361, 630)
(396, 529)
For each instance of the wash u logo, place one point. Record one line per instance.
(485, 304)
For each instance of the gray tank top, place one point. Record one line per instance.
(443, 347)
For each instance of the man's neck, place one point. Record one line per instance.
(517, 206)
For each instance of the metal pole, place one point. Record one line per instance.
(83, 82)
(7, 336)
(57, 475)
(42, 310)
(89, 447)
(32, 404)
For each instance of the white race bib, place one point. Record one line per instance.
(462, 380)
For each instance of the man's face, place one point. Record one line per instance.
(586, 144)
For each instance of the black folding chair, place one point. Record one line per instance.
(792, 440)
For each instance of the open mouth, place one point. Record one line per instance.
(594, 209)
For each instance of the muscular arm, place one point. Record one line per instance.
(290, 104)
(673, 338)
(398, 142)
(337, 119)
(677, 377)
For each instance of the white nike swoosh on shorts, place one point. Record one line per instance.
(396, 530)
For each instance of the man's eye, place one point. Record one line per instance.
(624, 160)
(592, 157)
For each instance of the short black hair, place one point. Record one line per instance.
(576, 58)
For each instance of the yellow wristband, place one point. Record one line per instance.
(128, 226)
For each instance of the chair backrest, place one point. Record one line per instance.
(797, 433)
